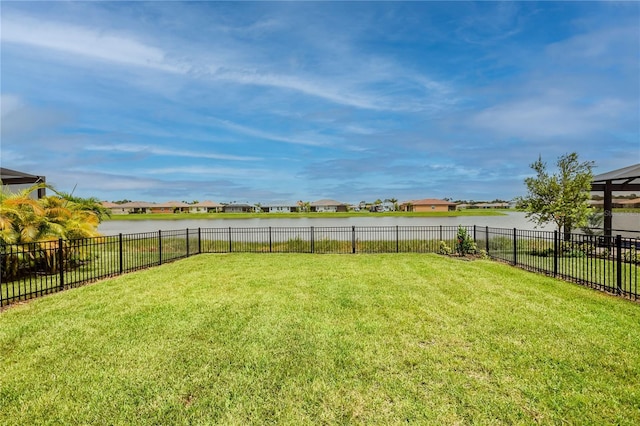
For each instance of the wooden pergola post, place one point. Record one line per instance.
(625, 179)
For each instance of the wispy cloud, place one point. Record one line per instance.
(260, 134)
(78, 40)
(354, 90)
(299, 100)
(154, 150)
(548, 118)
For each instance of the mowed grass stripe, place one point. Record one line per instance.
(309, 339)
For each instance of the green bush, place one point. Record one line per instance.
(444, 248)
(465, 244)
(631, 256)
(545, 252)
(501, 244)
(570, 249)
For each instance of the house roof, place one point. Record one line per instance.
(625, 179)
(632, 201)
(136, 205)
(207, 203)
(173, 204)
(326, 203)
(282, 204)
(14, 177)
(430, 202)
(620, 175)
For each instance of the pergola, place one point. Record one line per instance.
(14, 177)
(625, 179)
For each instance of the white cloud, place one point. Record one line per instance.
(599, 48)
(9, 104)
(20, 120)
(353, 87)
(311, 140)
(86, 42)
(549, 117)
(256, 174)
(312, 86)
(147, 149)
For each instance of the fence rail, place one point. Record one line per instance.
(31, 270)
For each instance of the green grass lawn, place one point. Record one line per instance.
(322, 339)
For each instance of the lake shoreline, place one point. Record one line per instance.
(503, 219)
(242, 216)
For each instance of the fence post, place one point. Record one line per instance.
(312, 240)
(441, 233)
(270, 241)
(515, 246)
(474, 234)
(230, 247)
(199, 241)
(121, 253)
(160, 247)
(353, 239)
(187, 242)
(397, 239)
(619, 263)
(486, 238)
(61, 263)
(555, 253)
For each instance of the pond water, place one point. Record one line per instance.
(627, 221)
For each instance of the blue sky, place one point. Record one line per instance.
(274, 101)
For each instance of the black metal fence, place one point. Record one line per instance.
(30, 270)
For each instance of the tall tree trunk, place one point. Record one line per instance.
(567, 230)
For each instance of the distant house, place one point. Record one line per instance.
(633, 203)
(323, 206)
(114, 208)
(238, 208)
(206, 207)
(286, 207)
(169, 207)
(428, 205)
(132, 207)
(384, 207)
(491, 206)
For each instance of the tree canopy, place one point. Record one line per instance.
(24, 219)
(561, 197)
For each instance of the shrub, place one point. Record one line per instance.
(572, 250)
(465, 244)
(545, 252)
(444, 248)
(501, 244)
(631, 256)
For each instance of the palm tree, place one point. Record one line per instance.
(43, 222)
(91, 204)
(304, 206)
(22, 218)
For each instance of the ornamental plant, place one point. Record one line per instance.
(465, 244)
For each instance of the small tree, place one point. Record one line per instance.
(594, 223)
(560, 198)
(465, 244)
